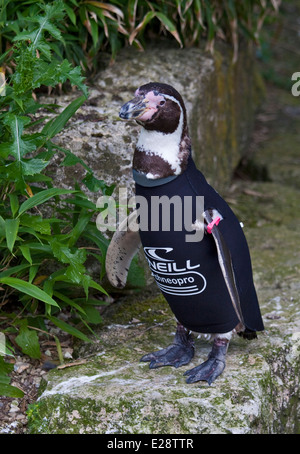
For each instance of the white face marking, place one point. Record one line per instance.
(167, 146)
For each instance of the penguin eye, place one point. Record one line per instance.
(162, 102)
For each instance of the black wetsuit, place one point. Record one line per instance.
(188, 272)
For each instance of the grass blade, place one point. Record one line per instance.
(11, 230)
(42, 197)
(29, 289)
(169, 26)
(55, 126)
(68, 328)
(10, 391)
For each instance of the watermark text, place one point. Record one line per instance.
(2, 344)
(155, 214)
(296, 86)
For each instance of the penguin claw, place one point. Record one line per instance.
(177, 354)
(213, 366)
(174, 355)
(207, 371)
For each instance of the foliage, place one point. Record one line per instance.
(6, 388)
(90, 26)
(47, 234)
(42, 228)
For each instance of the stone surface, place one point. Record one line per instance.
(114, 393)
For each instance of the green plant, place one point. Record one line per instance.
(47, 234)
(6, 388)
(90, 26)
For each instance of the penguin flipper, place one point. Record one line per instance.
(224, 258)
(124, 244)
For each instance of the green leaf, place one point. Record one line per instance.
(82, 222)
(55, 126)
(32, 273)
(42, 197)
(68, 328)
(16, 124)
(71, 159)
(5, 368)
(68, 301)
(50, 74)
(38, 247)
(37, 223)
(14, 203)
(169, 26)
(51, 28)
(33, 166)
(75, 273)
(26, 253)
(5, 149)
(87, 281)
(82, 203)
(10, 391)
(146, 19)
(94, 31)
(2, 227)
(92, 315)
(92, 183)
(76, 78)
(28, 341)
(29, 289)
(14, 174)
(43, 23)
(71, 14)
(11, 230)
(93, 234)
(14, 270)
(64, 254)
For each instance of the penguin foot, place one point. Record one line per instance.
(208, 371)
(178, 354)
(213, 366)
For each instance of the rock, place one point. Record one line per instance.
(14, 407)
(67, 353)
(20, 367)
(116, 394)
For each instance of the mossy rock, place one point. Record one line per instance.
(114, 393)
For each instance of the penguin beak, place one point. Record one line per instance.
(133, 109)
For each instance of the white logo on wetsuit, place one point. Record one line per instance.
(171, 279)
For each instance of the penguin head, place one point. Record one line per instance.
(164, 145)
(156, 107)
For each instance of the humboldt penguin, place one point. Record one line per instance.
(192, 240)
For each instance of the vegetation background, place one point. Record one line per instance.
(47, 234)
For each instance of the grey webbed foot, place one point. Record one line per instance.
(213, 366)
(178, 354)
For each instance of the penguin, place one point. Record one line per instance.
(193, 242)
